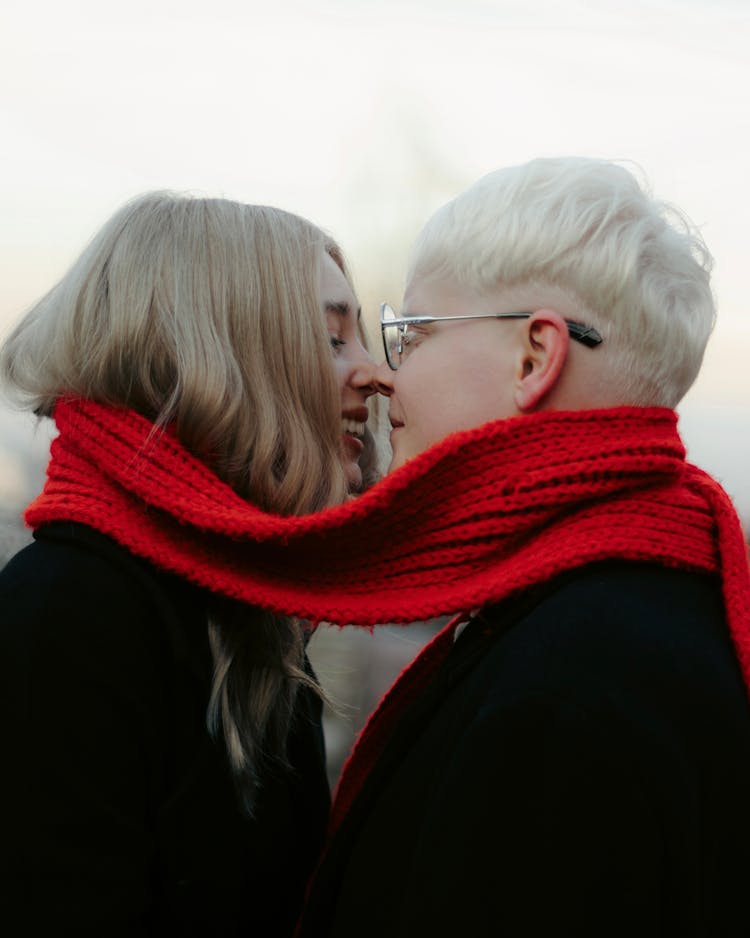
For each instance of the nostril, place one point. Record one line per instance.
(363, 377)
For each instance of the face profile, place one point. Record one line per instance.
(353, 365)
(455, 375)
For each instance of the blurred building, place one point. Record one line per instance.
(356, 666)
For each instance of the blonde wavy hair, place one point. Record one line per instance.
(205, 314)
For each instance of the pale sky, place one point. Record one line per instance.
(365, 115)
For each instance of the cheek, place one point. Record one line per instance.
(449, 410)
(353, 358)
(341, 372)
(427, 400)
(461, 395)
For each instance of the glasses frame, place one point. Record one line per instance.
(586, 335)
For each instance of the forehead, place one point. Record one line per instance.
(333, 284)
(433, 296)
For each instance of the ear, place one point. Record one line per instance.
(545, 349)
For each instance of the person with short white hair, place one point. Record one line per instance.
(566, 241)
(571, 755)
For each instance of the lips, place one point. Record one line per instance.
(353, 427)
(353, 422)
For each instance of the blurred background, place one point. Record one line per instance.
(365, 116)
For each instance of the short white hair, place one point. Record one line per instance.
(637, 267)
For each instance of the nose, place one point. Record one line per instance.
(383, 379)
(362, 373)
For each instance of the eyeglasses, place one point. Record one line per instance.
(396, 336)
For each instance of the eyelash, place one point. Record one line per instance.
(337, 343)
(412, 338)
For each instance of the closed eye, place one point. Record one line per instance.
(414, 333)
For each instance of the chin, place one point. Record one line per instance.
(353, 478)
(395, 464)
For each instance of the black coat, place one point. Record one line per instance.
(119, 813)
(580, 767)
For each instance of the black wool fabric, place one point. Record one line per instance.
(580, 767)
(119, 812)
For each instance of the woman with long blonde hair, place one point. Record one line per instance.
(163, 748)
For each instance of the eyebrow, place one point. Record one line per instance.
(342, 309)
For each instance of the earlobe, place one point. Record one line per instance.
(545, 348)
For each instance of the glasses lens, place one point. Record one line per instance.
(391, 336)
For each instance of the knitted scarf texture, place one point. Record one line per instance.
(481, 516)
(484, 514)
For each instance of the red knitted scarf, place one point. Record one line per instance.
(484, 514)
